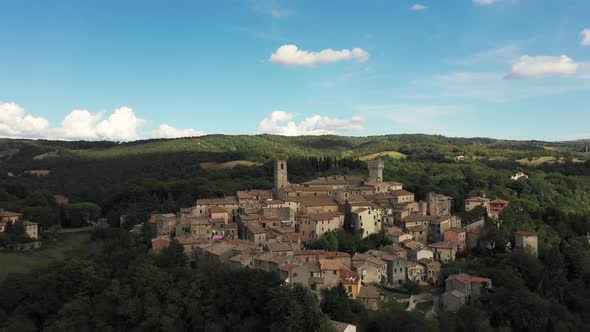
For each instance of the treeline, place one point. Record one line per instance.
(125, 288)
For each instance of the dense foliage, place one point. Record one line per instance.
(126, 288)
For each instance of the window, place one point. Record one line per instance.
(350, 289)
(295, 275)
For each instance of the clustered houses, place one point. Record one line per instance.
(31, 228)
(267, 229)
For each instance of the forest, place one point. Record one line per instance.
(125, 287)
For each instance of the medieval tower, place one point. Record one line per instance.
(281, 179)
(376, 170)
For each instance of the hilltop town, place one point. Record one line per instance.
(275, 230)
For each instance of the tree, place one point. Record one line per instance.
(79, 214)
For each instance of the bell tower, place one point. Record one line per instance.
(376, 170)
(281, 179)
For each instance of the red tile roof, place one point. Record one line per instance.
(227, 200)
(401, 192)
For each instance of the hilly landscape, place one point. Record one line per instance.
(140, 178)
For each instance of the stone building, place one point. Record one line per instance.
(376, 170)
(280, 175)
(438, 204)
(526, 242)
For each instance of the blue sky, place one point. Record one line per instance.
(123, 70)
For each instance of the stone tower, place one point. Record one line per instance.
(376, 170)
(281, 179)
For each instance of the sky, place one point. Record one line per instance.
(124, 70)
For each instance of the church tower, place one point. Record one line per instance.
(281, 179)
(376, 170)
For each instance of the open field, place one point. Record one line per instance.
(227, 165)
(393, 154)
(546, 159)
(66, 245)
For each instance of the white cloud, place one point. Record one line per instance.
(484, 2)
(281, 123)
(291, 55)
(14, 122)
(121, 125)
(167, 131)
(418, 7)
(585, 37)
(543, 66)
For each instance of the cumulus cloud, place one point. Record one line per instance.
(121, 125)
(291, 55)
(167, 131)
(543, 66)
(14, 122)
(484, 2)
(585, 37)
(418, 7)
(281, 123)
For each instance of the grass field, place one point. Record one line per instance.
(227, 165)
(542, 160)
(67, 245)
(392, 154)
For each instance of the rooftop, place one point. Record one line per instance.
(227, 200)
(368, 292)
(401, 192)
(442, 245)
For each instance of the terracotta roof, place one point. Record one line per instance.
(477, 199)
(288, 267)
(262, 194)
(337, 254)
(525, 233)
(324, 216)
(389, 257)
(291, 237)
(227, 200)
(426, 261)
(419, 228)
(217, 209)
(309, 252)
(394, 248)
(254, 228)
(279, 246)
(442, 245)
(465, 278)
(314, 200)
(348, 276)
(368, 292)
(368, 259)
(499, 201)
(328, 264)
(416, 218)
(401, 192)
